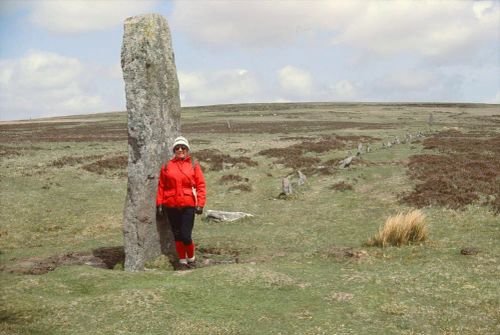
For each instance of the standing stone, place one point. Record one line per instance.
(286, 187)
(360, 149)
(153, 107)
(302, 178)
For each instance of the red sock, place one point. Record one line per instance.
(190, 250)
(181, 251)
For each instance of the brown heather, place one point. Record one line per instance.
(466, 170)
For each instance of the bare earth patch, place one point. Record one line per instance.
(106, 258)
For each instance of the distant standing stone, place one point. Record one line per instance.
(360, 148)
(286, 187)
(153, 107)
(302, 178)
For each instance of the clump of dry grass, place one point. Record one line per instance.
(404, 228)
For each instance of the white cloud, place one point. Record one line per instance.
(44, 70)
(44, 84)
(295, 81)
(254, 23)
(225, 86)
(344, 89)
(496, 99)
(432, 29)
(114, 71)
(79, 16)
(419, 84)
(408, 80)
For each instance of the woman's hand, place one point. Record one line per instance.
(198, 210)
(159, 211)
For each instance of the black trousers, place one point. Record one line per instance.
(182, 223)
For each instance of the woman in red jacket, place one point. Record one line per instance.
(181, 195)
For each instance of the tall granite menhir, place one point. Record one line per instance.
(153, 106)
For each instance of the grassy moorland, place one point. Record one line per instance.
(300, 265)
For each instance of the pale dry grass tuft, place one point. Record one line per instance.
(404, 228)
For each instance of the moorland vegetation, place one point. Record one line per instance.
(321, 261)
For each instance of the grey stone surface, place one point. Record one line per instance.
(286, 187)
(346, 162)
(222, 216)
(360, 149)
(153, 107)
(302, 178)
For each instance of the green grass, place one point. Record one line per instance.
(292, 277)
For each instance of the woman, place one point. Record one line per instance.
(181, 195)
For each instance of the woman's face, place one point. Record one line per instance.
(181, 151)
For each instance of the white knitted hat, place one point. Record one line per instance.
(180, 141)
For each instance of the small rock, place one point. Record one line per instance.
(222, 216)
(346, 162)
(469, 251)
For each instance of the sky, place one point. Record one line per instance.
(63, 57)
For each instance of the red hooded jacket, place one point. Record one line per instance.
(177, 179)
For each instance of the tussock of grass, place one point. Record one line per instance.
(404, 228)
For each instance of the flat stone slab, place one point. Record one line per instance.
(221, 216)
